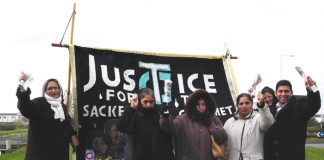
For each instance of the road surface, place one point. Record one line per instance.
(319, 145)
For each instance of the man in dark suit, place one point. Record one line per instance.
(285, 140)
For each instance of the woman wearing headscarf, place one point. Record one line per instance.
(193, 129)
(49, 130)
(141, 122)
(246, 130)
(268, 96)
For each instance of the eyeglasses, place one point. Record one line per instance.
(51, 88)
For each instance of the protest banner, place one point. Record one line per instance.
(104, 81)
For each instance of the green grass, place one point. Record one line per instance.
(313, 153)
(18, 154)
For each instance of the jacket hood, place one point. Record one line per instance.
(193, 100)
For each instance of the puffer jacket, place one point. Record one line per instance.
(192, 137)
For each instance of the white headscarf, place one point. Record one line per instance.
(56, 105)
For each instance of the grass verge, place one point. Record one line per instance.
(313, 153)
(18, 154)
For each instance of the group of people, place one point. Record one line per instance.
(275, 131)
(154, 132)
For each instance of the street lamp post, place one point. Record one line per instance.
(281, 55)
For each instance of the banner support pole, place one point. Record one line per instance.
(74, 157)
(228, 60)
(60, 45)
(69, 65)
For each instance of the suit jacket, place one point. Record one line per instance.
(286, 138)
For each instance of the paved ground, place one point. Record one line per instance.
(320, 145)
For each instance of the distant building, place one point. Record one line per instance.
(319, 117)
(10, 117)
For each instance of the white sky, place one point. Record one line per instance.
(259, 32)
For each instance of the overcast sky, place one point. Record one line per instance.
(261, 33)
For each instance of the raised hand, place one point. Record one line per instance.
(134, 101)
(22, 76)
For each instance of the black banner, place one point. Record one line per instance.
(106, 80)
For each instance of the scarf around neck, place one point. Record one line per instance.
(56, 106)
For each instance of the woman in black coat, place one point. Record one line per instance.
(141, 122)
(50, 130)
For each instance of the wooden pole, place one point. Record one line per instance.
(69, 67)
(228, 60)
